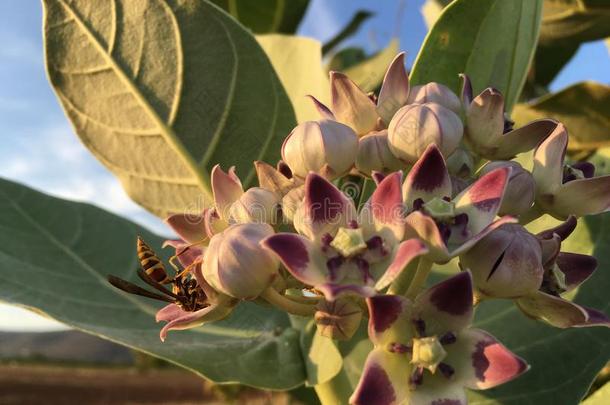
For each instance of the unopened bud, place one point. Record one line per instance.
(520, 190)
(374, 154)
(338, 319)
(435, 93)
(507, 263)
(235, 264)
(256, 205)
(326, 147)
(415, 126)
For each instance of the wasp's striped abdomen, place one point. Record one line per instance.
(151, 264)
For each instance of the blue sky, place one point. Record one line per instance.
(38, 148)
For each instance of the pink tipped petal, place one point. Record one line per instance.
(378, 177)
(351, 105)
(525, 138)
(446, 306)
(190, 228)
(405, 253)
(323, 110)
(298, 256)
(389, 319)
(383, 380)
(418, 225)
(194, 319)
(169, 312)
(482, 362)
(186, 254)
(213, 223)
(466, 93)
(482, 199)
(227, 189)
(394, 90)
(595, 318)
(576, 268)
(428, 178)
(548, 162)
(562, 230)
(458, 250)
(583, 197)
(554, 310)
(384, 211)
(325, 207)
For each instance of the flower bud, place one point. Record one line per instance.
(326, 147)
(520, 190)
(507, 263)
(256, 205)
(374, 154)
(291, 202)
(235, 264)
(338, 319)
(435, 93)
(415, 126)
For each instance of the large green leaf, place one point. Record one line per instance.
(298, 63)
(160, 91)
(566, 22)
(54, 258)
(493, 41)
(266, 16)
(564, 362)
(583, 107)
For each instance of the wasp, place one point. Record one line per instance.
(185, 292)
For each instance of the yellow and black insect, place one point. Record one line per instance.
(185, 292)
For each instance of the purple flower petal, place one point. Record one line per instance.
(447, 306)
(177, 319)
(563, 230)
(428, 178)
(466, 94)
(405, 253)
(227, 189)
(554, 310)
(418, 225)
(323, 110)
(382, 381)
(595, 318)
(482, 199)
(456, 251)
(576, 268)
(273, 179)
(298, 254)
(481, 362)
(351, 105)
(189, 227)
(185, 253)
(394, 89)
(525, 138)
(583, 197)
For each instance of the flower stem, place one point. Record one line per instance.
(286, 304)
(421, 274)
(335, 391)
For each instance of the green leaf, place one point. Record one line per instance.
(161, 91)
(266, 16)
(583, 107)
(322, 358)
(564, 362)
(549, 61)
(55, 256)
(493, 41)
(566, 22)
(298, 63)
(599, 397)
(350, 29)
(369, 73)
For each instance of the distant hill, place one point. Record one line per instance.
(63, 346)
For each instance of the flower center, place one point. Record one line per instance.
(442, 211)
(349, 242)
(427, 353)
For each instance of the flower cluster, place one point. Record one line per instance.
(445, 189)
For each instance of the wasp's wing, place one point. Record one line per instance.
(158, 286)
(135, 289)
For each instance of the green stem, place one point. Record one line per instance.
(284, 303)
(421, 274)
(336, 391)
